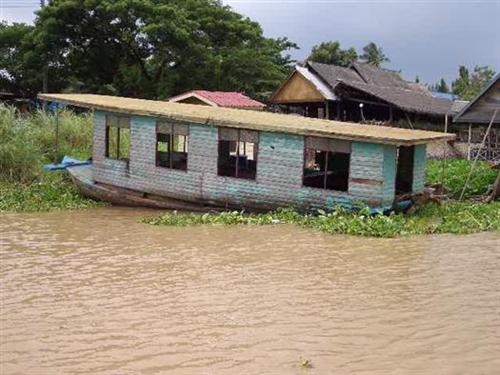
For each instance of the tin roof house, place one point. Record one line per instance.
(227, 99)
(358, 93)
(201, 156)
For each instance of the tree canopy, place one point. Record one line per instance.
(468, 85)
(142, 48)
(373, 55)
(332, 53)
(441, 86)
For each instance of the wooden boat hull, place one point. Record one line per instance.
(82, 177)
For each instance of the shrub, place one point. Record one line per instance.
(456, 175)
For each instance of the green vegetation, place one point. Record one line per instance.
(50, 191)
(146, 49)
(26, 143)
(457, 218)
(456, 172)
(332, 53)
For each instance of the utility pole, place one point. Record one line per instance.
(45, 72)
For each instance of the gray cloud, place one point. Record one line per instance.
(425, 38)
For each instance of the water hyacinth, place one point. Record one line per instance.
(458, 218)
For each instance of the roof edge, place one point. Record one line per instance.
(456, 118)
(432, 136)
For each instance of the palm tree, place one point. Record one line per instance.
(373, 54)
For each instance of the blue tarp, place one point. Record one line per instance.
(444, 95)
(65, 163)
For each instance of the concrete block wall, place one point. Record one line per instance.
(279, 170)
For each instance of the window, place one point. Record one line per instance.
(326, 163)
(117, 137)
(237, 153)
(172, 145)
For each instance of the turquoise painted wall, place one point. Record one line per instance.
(279, 170)
(419, 169)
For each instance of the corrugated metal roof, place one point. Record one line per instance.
(385, 85)
(482, 108)
(221, 98)
(253, 120)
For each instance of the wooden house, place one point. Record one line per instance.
(358, 93)
(223, 157)
(480, 119)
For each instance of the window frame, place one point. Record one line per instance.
(122, 122)
(160, 126)
(328, 146)
(238, 141)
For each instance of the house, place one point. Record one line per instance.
(358, 93)
(226, 157)
(218, 99)
(480, 120)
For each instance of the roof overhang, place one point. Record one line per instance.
(481, 109)
(318, 84)
(314, 82)
(252, 120)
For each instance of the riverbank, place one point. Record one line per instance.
(27, 142)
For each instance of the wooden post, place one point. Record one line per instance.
(391, 118)
(468, 141)
(477, 155)
(445, 153)
(337, 115)
(408, 119)
(57, 133)
(327, 110)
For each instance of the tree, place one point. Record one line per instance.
(15, 75)
(441, 86)
(331, 53)
(467, 85)
(374, 55)
(153, 48)
(417, 79)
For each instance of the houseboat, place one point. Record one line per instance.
(199, 156)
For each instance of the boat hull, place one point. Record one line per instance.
(82, 177)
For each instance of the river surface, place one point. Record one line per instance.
(96, 292)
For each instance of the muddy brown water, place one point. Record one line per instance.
(96, 292)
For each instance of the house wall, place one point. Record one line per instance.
(419, 157)
(279, 171)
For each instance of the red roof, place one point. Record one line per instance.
(221, 98)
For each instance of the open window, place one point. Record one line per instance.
(326, 163)
(117, 137)
(172, 145)
(404, 171)
(238, 150)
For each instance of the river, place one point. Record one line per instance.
(96, 292)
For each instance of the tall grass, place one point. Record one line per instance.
(28, 141)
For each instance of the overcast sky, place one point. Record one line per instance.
(421, 37)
